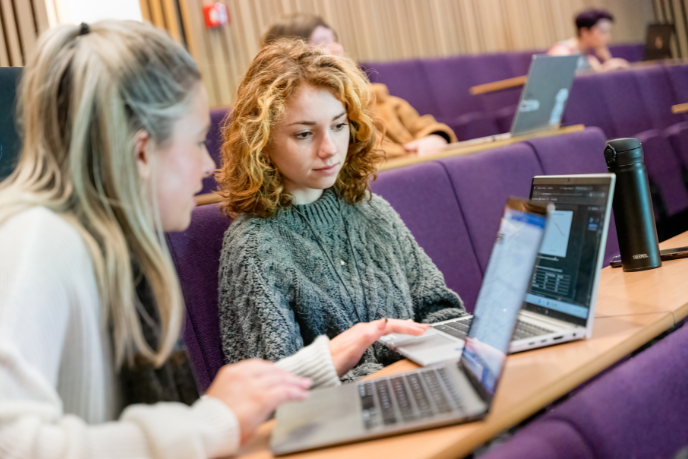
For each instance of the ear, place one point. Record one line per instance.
(141, 152)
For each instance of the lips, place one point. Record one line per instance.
(328, 168)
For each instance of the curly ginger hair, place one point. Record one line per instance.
(248, 181)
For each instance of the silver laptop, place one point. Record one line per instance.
(543, 98)
(453, 393)
(560, 304)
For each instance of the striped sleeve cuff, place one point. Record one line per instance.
(313, 362)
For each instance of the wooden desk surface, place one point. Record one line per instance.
(531, 381)
(663, 289)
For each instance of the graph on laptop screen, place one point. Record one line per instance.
(562, 284)
(501, 295)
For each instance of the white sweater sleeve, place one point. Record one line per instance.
(57, 393)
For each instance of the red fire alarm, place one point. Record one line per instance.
(216, 15)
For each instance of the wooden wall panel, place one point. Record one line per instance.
(21, 22)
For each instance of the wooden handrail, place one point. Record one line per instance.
(679, 108)
(499, 85)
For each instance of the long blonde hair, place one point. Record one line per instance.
(83, 98)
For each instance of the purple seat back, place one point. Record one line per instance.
(658, 96)
(679, 79)
(488, 68)
(424, 198)
(577, 153)
(587, 105)
(450, 80)
(638, 409)
(214, 144)
(405, 79)
(627, 109)
(483, 182)
(474, 125)
(634, 52)
(543, 440)
(664, 171)
(196, 255)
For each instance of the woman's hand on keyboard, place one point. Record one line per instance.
(348, 347)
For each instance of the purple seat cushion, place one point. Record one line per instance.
(405, 79)
(483, 182)
(679, 79)
(214, 144)
(196, 255)
(587, 105)
(626, 107)
(678, 137)
(664, 170)
(425, 200)
(577, 153)
(658, 95)
(637, 410)
(450, 80)
(543, 440)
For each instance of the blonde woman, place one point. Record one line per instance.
(115, 119)
(312, 252)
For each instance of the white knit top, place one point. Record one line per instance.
(58, 388)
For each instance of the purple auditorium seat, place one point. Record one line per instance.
(625, 104)
(679, 79)
(488, 68)
(483, 182)
(543, 440)
(630, 52)
(658, 96)
(587, 105)
(678, 137)
(424, 198)
(474, 125)
(638, 409)
(196, 255)
(577, 153)
(405, 79)
(520, 61)
(450, 81)
(664, 171)
(214, 144)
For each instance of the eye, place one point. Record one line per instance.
(303, 135)
(340, 126)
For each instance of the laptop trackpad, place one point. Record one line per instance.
(426, 342)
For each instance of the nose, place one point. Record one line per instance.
(208, 163)
(328, 148)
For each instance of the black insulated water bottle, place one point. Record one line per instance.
(635, 222)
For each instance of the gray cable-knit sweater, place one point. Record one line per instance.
(278, 290)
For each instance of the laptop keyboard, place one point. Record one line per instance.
(459, 329)
(408, 397)
(525, 330)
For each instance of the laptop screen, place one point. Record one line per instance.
(501, 295)
(564, 279)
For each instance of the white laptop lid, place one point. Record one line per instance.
(567, 272)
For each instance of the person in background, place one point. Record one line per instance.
(311, 250)
(405, 130)
(115, 119)
(591, 42)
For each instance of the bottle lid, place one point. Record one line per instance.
(622, 152)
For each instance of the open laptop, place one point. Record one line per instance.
(10, 143)
(453, 393)
(543, 98)
(560, 303)
(658, 42)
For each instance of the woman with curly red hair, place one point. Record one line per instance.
(312, 251)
